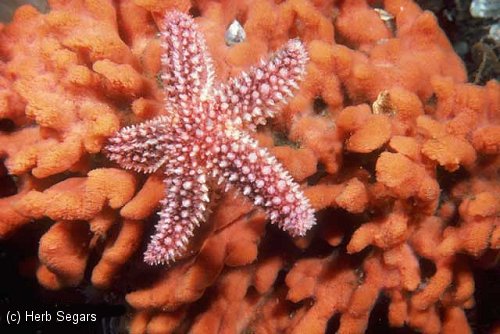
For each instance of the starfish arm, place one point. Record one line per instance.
(183, 208)
(141, 147)
(188, 73)
(259, 176)
(257, 94)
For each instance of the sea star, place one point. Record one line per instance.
(203, 136)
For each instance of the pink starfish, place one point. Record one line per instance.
(203, 136)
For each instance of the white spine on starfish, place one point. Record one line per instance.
(257, 94)
(188, 73)
(258, 175)
(183, 209)
(141, 147)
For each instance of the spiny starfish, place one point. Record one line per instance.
(203, 136)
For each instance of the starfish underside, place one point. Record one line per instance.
(203, 136)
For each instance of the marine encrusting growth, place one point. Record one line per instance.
(203, 135)
(395, 151)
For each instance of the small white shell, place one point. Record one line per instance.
(234, 34)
